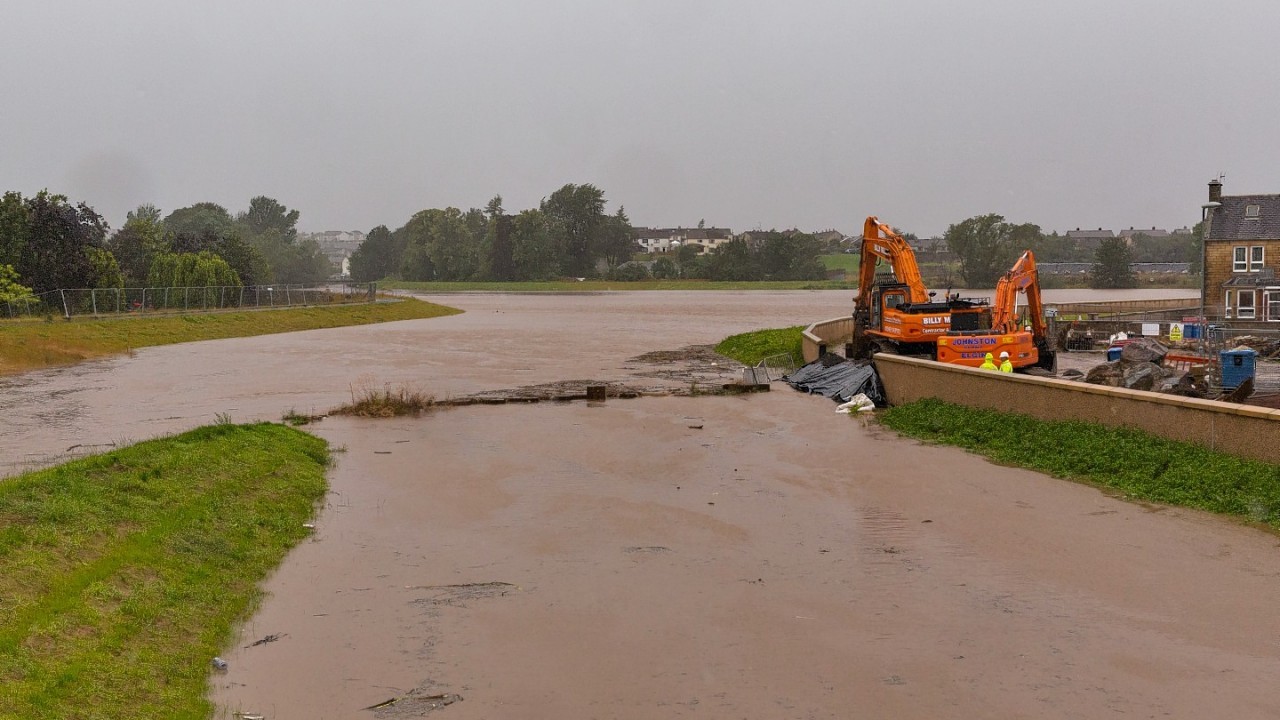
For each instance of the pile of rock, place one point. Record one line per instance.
(1140, 368)
(1267, 348)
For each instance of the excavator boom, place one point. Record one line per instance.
(880, 242)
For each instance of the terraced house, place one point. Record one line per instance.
(1241, 255)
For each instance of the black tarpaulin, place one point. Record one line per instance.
(839, 379)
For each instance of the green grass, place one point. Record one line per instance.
(561, 286)
(848, 262)
(750, 348)
(31, 344)
(1137, 464)
(122, 575)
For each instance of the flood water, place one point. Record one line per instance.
(754, 556)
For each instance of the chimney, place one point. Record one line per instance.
(1215, 190)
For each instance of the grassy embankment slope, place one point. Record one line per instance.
(123, 575)
(752, 347)
(32, 344)
(1139, 465)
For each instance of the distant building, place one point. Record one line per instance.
(1241, 256)
(1154, 232)
(337, 245)
(656, 240)
(1089, 239)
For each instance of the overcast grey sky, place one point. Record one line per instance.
(749, 114)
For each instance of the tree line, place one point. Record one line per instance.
(987, 245)
(47, 242)
(569, 234)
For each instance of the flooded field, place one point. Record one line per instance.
(755, 556)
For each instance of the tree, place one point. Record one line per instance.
(987, 245)
(664, 269)
(443, 244)
(617, 244)
(791, 256)
(137, 243)
(497, 244)
(577, 216)
(201, 269)
(14, 228)
(104, 272)
(377, 257)
(1111, 265)
(1195, 248)
(203, 217)
(734, 261)
(249, 263)
(266, 215)
(57, 239)
(535, 250)
(10, 289)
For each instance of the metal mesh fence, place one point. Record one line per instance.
(98, 302)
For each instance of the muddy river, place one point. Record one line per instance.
(753, 556)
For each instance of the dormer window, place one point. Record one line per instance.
(1252, 211)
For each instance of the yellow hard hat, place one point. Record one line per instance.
(990, 356)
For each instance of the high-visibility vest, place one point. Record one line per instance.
(1006, 366)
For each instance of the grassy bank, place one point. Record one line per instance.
(1139, 465)
(561, 286)
(31, 344)
(750, 348)
(122, 575)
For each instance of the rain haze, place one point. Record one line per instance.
(745, 114)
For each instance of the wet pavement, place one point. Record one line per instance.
(752, 556)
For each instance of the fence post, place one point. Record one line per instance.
(373, 291)
(288, 299)
(93, 299)
(66, 312)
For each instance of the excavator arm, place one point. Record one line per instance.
(1022, 277)
(879, 241)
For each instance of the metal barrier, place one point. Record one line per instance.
(774, 367)
(99, 302)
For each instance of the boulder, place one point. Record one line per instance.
(1105, 374)
(1144, 350)
(1140, 375)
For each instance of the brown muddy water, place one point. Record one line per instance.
(755, 556)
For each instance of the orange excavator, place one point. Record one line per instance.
(897, 314)
(1027, 345)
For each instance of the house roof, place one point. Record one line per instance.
(1153, 232)
(1230, 221)
(1099, 233)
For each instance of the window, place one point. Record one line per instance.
(1240, 260)
(1226, 306)
(1271, 303)
(1252, 211)
(1244, 304)
(1256, 255)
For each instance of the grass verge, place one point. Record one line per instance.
(752, 347)
(123, 574)
(1138, 464)
(32, 344)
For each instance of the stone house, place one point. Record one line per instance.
(1241, 255)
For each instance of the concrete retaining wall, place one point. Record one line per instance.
(1237, 429)
(826, 336)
